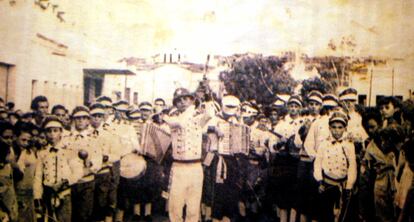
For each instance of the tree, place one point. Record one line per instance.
(257, 77)
(320, 84)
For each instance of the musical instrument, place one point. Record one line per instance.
(133, 166)
(236, 139)
(155, 141)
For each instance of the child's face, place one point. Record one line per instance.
(24, 139)
(387, 110)
(372, 127)
(337, 129)
(146, 114)
(7, 136)
(42, 139)
(314, 107)
(54, 134)
(184, 102)
(294, 109)
(81, 123)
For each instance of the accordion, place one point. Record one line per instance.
(236, 139)
(154, 141)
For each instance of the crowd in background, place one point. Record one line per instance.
(321, 157)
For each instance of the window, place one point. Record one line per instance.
(4, 80)
(34, 88)
(128, 94)
(135, 98)
(362, 100)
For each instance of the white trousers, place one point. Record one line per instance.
(186, 189)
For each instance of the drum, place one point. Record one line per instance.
(133, 166)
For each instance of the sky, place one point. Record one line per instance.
(142, 28)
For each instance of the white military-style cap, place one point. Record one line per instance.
(230, 101)
(121, 105)
(230, 104)
(316, 96)
(295, 99)
(279, 102)
(145, 106)
(135, 114)
(249, 110)
(330, 100)
(339, 116)
(97, 108)
(349, 94)
(283, 97)
(80, 111)
(104, 100)
(52, 123)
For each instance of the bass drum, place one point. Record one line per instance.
(133, 166)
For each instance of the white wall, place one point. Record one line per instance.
(382, 80)
(45, 53)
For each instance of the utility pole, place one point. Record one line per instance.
(392, 87)
(370, 88)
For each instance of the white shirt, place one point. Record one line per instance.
(86, 141)
(336, 159)
(288, 126)
(187, 136)
(317, 133)
(127, 136)
(109, 144)
(54, 167)
(262, 140)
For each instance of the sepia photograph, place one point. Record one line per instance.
(206, 111)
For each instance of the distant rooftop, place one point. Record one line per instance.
(108, 71)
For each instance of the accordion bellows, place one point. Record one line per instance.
(236, 139)
(155, 141)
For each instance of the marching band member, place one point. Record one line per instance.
(335, 167)
(224, 167)
(148, 184)
(129, 150)
(355, 131)
(186, 171)
(109, 109)
(277, 112)
(286, 159)
(146, 111)
(307, 185)
(57, 169)
(107, 178)
(319, 130)
(84, 144)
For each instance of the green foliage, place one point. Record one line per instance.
(257, 77)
